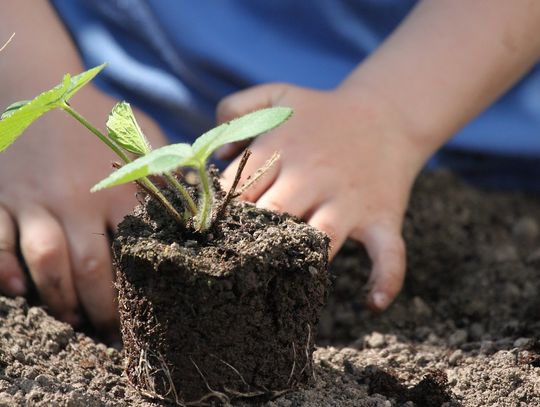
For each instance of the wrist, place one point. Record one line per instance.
(410, 143)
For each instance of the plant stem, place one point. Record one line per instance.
(161, 198)
(187, 198)
(206, 199)
(231, 192)
(144, 181)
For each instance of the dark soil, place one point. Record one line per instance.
(464, 328)
(228, 314)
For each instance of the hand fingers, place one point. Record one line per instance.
(12, 281)
(124, 201)
(386, 249)
(236, 105)
(329, 219)
(245, 101)
(241, 103)
(45, 251)
(288, 194)
(92, 271)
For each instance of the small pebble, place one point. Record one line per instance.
(505, 253)
(375, 340)
(433, 339)
(44, 380)
(458, 337)
(190, 243)
(455, 357)
(476, 330)
(487, 347)
(526, 229)
(523, 343)
(421, 309)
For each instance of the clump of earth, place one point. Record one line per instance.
(462, 332)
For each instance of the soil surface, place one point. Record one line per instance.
(463, 331)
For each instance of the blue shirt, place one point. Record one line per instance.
(177, 58)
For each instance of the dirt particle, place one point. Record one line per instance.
(455, 357)
(526, 230)
(523, 343)
(457, 338)
(375, 340)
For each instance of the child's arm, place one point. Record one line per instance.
(350, 156)
(45, 203)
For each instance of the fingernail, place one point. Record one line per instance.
(16, 286)
(380, 300)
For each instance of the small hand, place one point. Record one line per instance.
(346, 167)
(61, 229)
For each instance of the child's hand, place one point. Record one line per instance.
(349, 157)
(61, 229)
(49, 221)
(347, 165)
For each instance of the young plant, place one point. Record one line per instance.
(125, 138)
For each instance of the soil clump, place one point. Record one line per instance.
(225, 314)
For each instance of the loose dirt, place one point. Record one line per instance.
(463, 331)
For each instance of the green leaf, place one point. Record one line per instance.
(12, 107)
(156, 162)
(18, 118)
(247, 126)
(125, 131)
(78, 81)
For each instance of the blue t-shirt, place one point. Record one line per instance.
(177, 58)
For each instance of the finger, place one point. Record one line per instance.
(92, 271)
(255, 162)
(329, 219)
(245, 101)
(44, 248)
(12, 280)
(386, 249)
(125, 199)
(288, 194)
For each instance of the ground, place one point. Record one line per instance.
(462, 332)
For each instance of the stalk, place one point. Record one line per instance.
(144, 181)
(96, 132)
(180, 188)
(161, 198)
(206, 198)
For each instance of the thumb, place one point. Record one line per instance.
(250, 99)
(386, 249)
(241, 103)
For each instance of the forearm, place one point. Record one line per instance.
(448, 61)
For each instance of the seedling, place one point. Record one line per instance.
(126, 139)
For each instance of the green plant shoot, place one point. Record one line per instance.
(125, 137)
